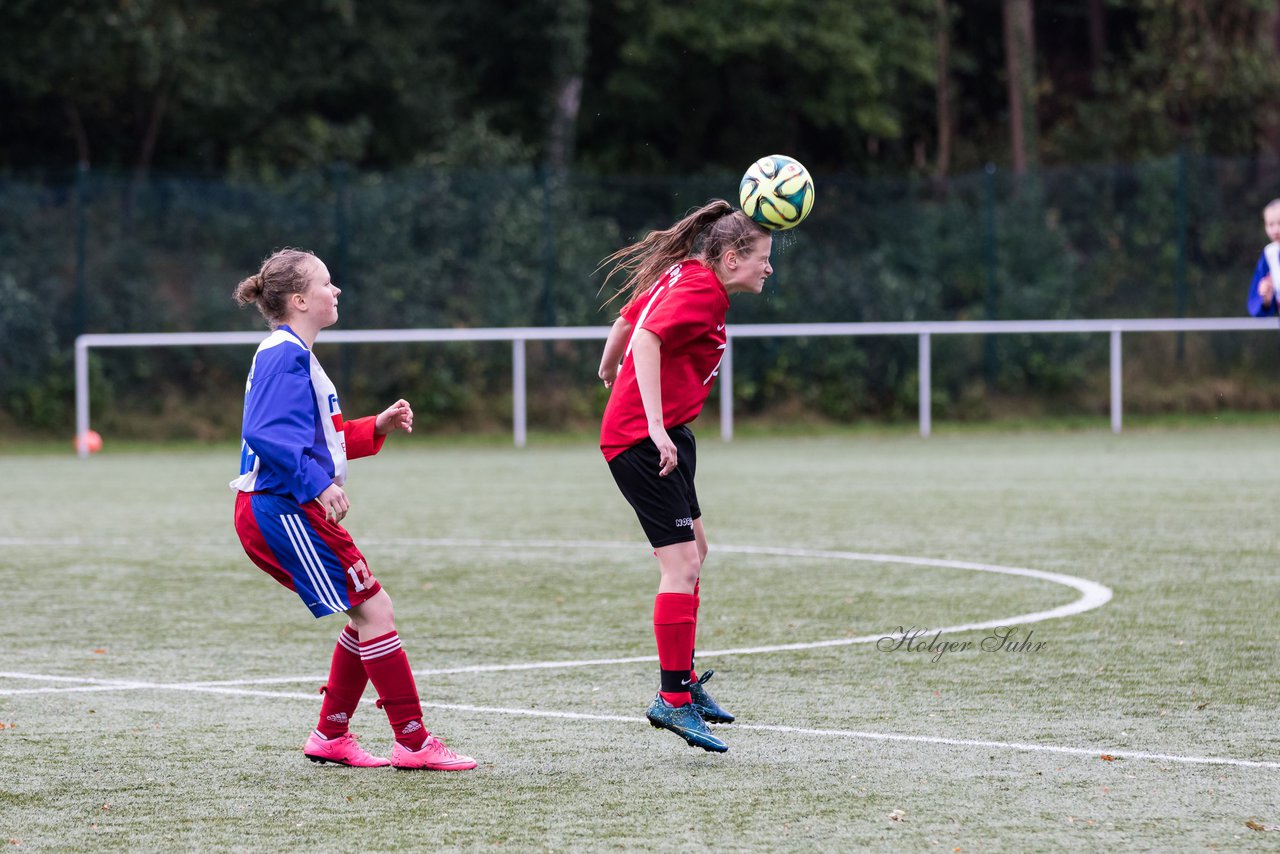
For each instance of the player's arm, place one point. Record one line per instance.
(365, 436)
(646, 353)
(614, 346)
(1262, 291)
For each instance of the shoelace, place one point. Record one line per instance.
(444, 750)
(355, 742)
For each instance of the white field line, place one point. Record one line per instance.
(1093, 595)
(861, 735)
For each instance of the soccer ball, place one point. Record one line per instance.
(776, 192)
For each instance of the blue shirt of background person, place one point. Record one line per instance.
(1262, 291)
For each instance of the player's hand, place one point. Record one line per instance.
(335, 503)
(1266, 290)
(608, 373)
(397, 416)
(666, 450)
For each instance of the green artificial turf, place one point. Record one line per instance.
(125, 569)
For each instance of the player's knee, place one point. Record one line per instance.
(682, 572)
(374, 617)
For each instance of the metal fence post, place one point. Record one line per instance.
(726, 391)
(991, 300)
(519, 415)
(82, 397)
(1116, 415)
(926, 387)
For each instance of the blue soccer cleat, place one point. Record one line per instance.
(685, 722)
(708, 708)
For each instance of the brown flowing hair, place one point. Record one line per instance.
(706, 233)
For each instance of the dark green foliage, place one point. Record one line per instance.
(455, 248)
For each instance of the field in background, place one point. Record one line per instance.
(156, 688)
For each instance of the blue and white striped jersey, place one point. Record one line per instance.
(293, 442)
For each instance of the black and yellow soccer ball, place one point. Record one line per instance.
(776, 192)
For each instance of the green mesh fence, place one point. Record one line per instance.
(94, 252)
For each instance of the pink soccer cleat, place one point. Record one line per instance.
(433, 756)
(342, 750)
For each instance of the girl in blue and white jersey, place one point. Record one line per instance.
(290, 505)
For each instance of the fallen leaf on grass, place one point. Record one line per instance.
(1253, 825)
(99, 652)
(1107, 757)
(1200, 707)
(898, 815)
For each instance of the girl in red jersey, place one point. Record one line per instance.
(290, 505)
(660, 359)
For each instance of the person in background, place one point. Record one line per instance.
(1262, 290)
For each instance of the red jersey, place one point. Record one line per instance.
(686, 309)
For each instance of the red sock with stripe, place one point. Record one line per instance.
(345, 687)
(389, 671)
(674, 624)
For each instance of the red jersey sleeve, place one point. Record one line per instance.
(360, 438)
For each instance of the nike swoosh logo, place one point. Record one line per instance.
(686, 681)
(718, 328)
(700, 735)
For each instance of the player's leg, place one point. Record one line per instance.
(331, 741)
(388, 668)
(711, 711)
(700, 539)
(280, 538)
(662, 506)
(675, 615)
(674, 625)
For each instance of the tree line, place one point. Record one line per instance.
(931, 87)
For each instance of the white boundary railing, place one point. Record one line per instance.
(520, 336)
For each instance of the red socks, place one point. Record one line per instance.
(388, 669)
(697, 603)
(675, 618)
(345, 687)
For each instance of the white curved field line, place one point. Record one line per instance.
(1093, 595)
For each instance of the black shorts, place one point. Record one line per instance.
(666, 506)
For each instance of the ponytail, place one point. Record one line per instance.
(249, 291)
(706, 233)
